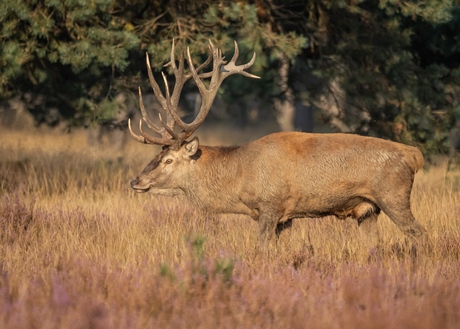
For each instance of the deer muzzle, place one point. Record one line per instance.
(134, 185)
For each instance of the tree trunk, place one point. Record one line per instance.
(285, 105)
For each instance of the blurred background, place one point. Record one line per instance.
(383, 68)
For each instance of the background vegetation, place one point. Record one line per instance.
(387, 68)
(80, 249)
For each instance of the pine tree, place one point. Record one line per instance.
(70, 53)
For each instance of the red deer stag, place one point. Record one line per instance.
(280, 176)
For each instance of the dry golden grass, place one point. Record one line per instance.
(79, 249)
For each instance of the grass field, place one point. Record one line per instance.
(80, 249)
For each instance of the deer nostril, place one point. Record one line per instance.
(134, 182)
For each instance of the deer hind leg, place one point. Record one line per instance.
(402, 216)
(400, 213)
(397, 207)
(366, 213)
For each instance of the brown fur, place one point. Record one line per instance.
(289, 175)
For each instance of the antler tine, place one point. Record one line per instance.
(170, 105)
(202, 66)
(169, 129)
(151, 125)
(173, 56)
(232, 68)
(166, 136)
(180, 80)
(154, 84)
(201, 86)
(236, 52)
(136, 137)
(146, 138)
(154, 140)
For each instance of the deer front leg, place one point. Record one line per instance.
(268, 223)
(369, 230)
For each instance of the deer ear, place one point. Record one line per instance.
(191, 147)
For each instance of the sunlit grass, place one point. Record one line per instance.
(79, 249)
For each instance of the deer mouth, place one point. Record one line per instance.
(141, 190)
(134, 185)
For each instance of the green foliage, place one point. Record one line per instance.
(430, 11)
(167, 272)
(397, 61)
(67, 51)
(199, 268)
(378, 54)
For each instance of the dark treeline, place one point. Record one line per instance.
(385, 68)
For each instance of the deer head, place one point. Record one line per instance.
(165, 172)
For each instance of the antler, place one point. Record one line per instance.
(170, 103)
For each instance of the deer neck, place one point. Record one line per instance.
(214, 178)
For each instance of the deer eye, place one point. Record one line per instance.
(169, 161)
